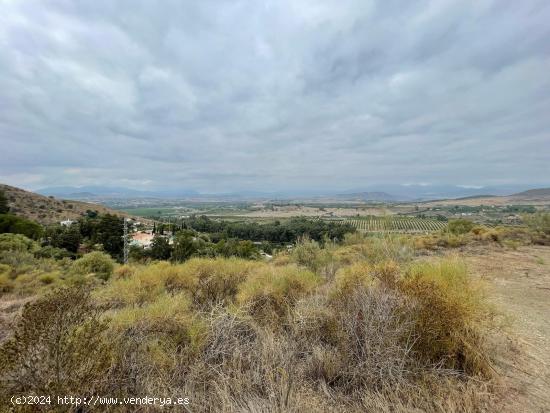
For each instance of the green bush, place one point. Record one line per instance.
(310, 254)
(52, 252)
(460, 226)
(4, 207)
(539, 224)
(96, 263)
(17, 242)
(17, 225)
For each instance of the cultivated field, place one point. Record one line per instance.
(396, 224)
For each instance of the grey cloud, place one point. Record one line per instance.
(247, 95)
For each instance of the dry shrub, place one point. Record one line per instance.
(349, 254)
(479, 229)
(516, 235)
(363, 274)
(451, 240)
(435, 393)
(539, 225)
(156, 344)
(5, 269)
(19, 261)
(425, 242)
(388, 273)
(377, 338)
(312, 255)
(314, 322)
(281, 259)
(491, 235)
(166, 325)
(353, 276)
(208, 281)
(442, 240)
(6, 283)
(353, 238)
(390, 247)
(244, 367)
(58, 348)
(144, 286)
(241, 336)
(271, 291)
(212, 281)
(124, 271)
(449, 315)
(485, 234)
(376, 250)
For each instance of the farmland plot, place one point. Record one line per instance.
(396, 224)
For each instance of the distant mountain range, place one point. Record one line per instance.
(374, 193)
(370, 196)
(90, 192)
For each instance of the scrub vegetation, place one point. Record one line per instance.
(365, 324)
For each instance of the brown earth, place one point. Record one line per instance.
(519, 286)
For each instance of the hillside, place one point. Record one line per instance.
(48, 210)
(531, 197)
(541, 193)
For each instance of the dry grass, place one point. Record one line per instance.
(373, 332)
(449, 315)
(270, 293)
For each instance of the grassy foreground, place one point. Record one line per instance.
(363, 326)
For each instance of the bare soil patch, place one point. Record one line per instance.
(519, 286)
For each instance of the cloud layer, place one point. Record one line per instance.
(274, 95)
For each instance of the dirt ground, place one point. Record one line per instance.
(518, 284)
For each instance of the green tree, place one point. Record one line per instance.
(138, 253)
(109, 232)
(236, 248)
(4, 208)
(186, 244)
(68, 238)
(17, 225)
(160, 248)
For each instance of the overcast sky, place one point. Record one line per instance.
(231, 95)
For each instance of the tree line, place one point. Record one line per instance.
(195, 236)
